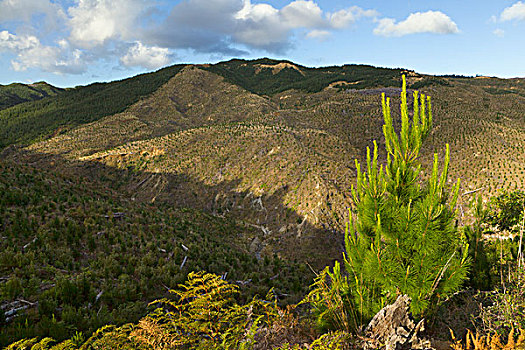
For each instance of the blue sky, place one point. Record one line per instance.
(76, 42)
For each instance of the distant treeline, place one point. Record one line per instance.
(258, 76)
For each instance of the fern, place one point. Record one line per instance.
(205, 312)
(488, 342)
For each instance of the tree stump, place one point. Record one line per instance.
(393, 328)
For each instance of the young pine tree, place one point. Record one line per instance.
(404, 238)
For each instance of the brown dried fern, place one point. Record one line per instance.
(488, 342)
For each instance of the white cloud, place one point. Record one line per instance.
(30, 53)
(263, 26)
(300, 13)
(94, 22)
(499, 32)
(419, 22)
(318, 34)
(344, 18)
(514, 12)
(255, 12)
(11, 42)
(230, 26)
(145, 33)
(23, 10)
(144, 56)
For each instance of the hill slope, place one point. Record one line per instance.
(76, 255)
(27, 122)
(16, 93)
(292, 152)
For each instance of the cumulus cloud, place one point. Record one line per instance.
(94, 22)
(139, 33)
(200, 25)
(145, 56)
(300, 13)
(11, 42)
(514, 12)
(230, 26)
(31, 53)
(419, 22)
(262, 26)
(344, 18)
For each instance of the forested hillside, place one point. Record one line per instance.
(75, 255)
(268, 77)
(16, 93)
(30, 121)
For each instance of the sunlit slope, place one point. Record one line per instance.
(284, 181)
(192, 98)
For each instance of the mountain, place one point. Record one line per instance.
(16, 93)
(253, 157)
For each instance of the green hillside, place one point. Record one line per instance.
(27, 122)
(16, 93)
(245, 168)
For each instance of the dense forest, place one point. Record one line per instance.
(259, 76)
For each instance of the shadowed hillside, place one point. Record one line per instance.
(75, 254)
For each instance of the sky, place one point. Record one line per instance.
(77, 42)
